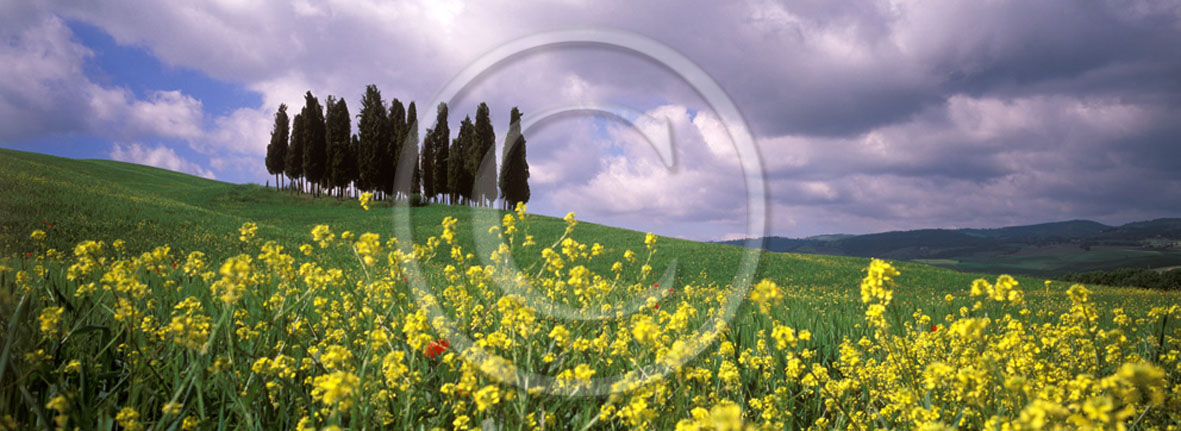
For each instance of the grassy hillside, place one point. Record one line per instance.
(274, 340)
(146, 207)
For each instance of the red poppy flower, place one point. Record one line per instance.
(29, 254)
(173, 265)
(655, 284)
(670, 290)
(436, 347)
(44, 222)
(656, 306)
(934, 328)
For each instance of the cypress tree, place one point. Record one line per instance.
(277, 149)
(427, 165)
(338, 133)
(373, 131)
(294, 164)
(514, 171)
(481, 157)
(459, 177)
(416, 179)
(315, 144)
(442, 136)
(409, 152)
(397, 122)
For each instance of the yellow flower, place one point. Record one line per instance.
(172, 408)
(194, 263)
(247, 231)
(61, 405)
(37, 235)
(766, 294)
(365, 199)
(560, 335)
(190, 327)
(570, 222)
(323, 235)
(645, 330)
(336, 389)
(726, 416)
(367, 247)
(486, 397)
(583, 372)
(235, 279)
(128, 418)
(50, 319)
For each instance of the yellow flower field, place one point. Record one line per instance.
(425, 336)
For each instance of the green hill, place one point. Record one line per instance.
(146, 207)
(1043, 250)
(137, 340)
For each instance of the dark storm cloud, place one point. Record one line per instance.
(869, 115)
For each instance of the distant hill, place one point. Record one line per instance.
(1043, 249)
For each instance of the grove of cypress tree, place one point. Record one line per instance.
(277, 150)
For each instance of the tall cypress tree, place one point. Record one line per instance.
(373, 131)
(427, 165)
(393, 149)
(338, 133)
(442, 138)
(294, 164)
(514, 171)
(459, 177)
(409, 153)
(315, 143)
(277, 149)
(481, 157)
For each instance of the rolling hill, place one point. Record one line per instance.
(1045, 249)
(77, 200)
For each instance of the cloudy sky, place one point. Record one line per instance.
(868, 116)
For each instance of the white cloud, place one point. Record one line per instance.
(46, 91)
(245, 131)
(702, 196)
(159, 156)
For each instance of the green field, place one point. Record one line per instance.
(356, 338)
(1096, 260)
(145, 206)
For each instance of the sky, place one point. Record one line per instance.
(868, 116)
